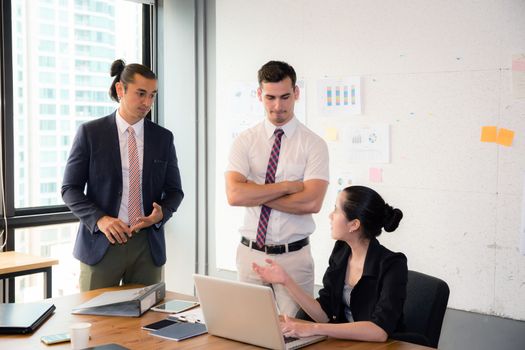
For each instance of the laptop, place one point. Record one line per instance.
(22, 318)
(244, 312)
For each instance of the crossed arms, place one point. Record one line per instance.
(293, 197)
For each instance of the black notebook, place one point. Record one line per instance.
(180, 331)
(21, 318)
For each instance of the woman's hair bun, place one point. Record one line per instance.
(392, 218)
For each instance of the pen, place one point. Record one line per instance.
(188, 320)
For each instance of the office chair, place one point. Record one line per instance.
(424, 309)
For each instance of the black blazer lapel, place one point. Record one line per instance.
(114, 146)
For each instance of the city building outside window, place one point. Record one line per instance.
(62, 53)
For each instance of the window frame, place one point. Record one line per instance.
(19, 218)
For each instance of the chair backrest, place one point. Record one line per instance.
(425, 305)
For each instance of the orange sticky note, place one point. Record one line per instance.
(505, 137)
(489, 133)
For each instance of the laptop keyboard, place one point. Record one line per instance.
(289, 339)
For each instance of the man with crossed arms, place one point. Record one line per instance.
(282, 231)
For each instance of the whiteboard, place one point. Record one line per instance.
(436, 72)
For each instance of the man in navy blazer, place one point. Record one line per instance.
(96, 186)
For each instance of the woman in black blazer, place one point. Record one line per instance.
(364, 286)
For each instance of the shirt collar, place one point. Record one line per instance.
(122, 125)
(288, 128)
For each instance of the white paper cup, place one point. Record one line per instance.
(80, 335)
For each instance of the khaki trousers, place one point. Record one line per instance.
(299, 265)
(129, 263)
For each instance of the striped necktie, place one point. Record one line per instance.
(270, 178)
(134, 197)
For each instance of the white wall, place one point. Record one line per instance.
(436, 71)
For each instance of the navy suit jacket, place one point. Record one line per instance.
(92, 185)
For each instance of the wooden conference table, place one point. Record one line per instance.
(13, 264)
(127, 332)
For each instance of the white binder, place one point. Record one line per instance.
(129, 302)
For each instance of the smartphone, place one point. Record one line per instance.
(55, 338)
(158, 325)
(175, 306)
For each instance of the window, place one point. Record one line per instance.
(47, 93)
(64, 47)
(47, 172)
(48, 157)
(46, 78)
(48, 187)
(48, 109)
(46, 61)
(47, 125)
(64, 125)
(48, 141)
(47, 14)
(61, 52)
(46, 45)
(54, 241)
(89, 51)
(46, 30)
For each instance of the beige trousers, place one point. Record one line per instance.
(299, 265)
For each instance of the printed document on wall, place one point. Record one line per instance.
(339, 96)
(245, 109)
(367, 143)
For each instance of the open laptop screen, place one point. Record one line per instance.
(243, 312)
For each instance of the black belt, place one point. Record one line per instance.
(277, 248)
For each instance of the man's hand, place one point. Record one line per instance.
(114, 229)
(146, 221)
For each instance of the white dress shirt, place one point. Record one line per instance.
(303, 156)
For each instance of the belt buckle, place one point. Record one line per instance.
(277, 249)
(253, 245)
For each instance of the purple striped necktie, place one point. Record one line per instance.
(134, 198)
(270, 179)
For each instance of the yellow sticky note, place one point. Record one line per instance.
(489, 133)
(330, 134)
(505, 137)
